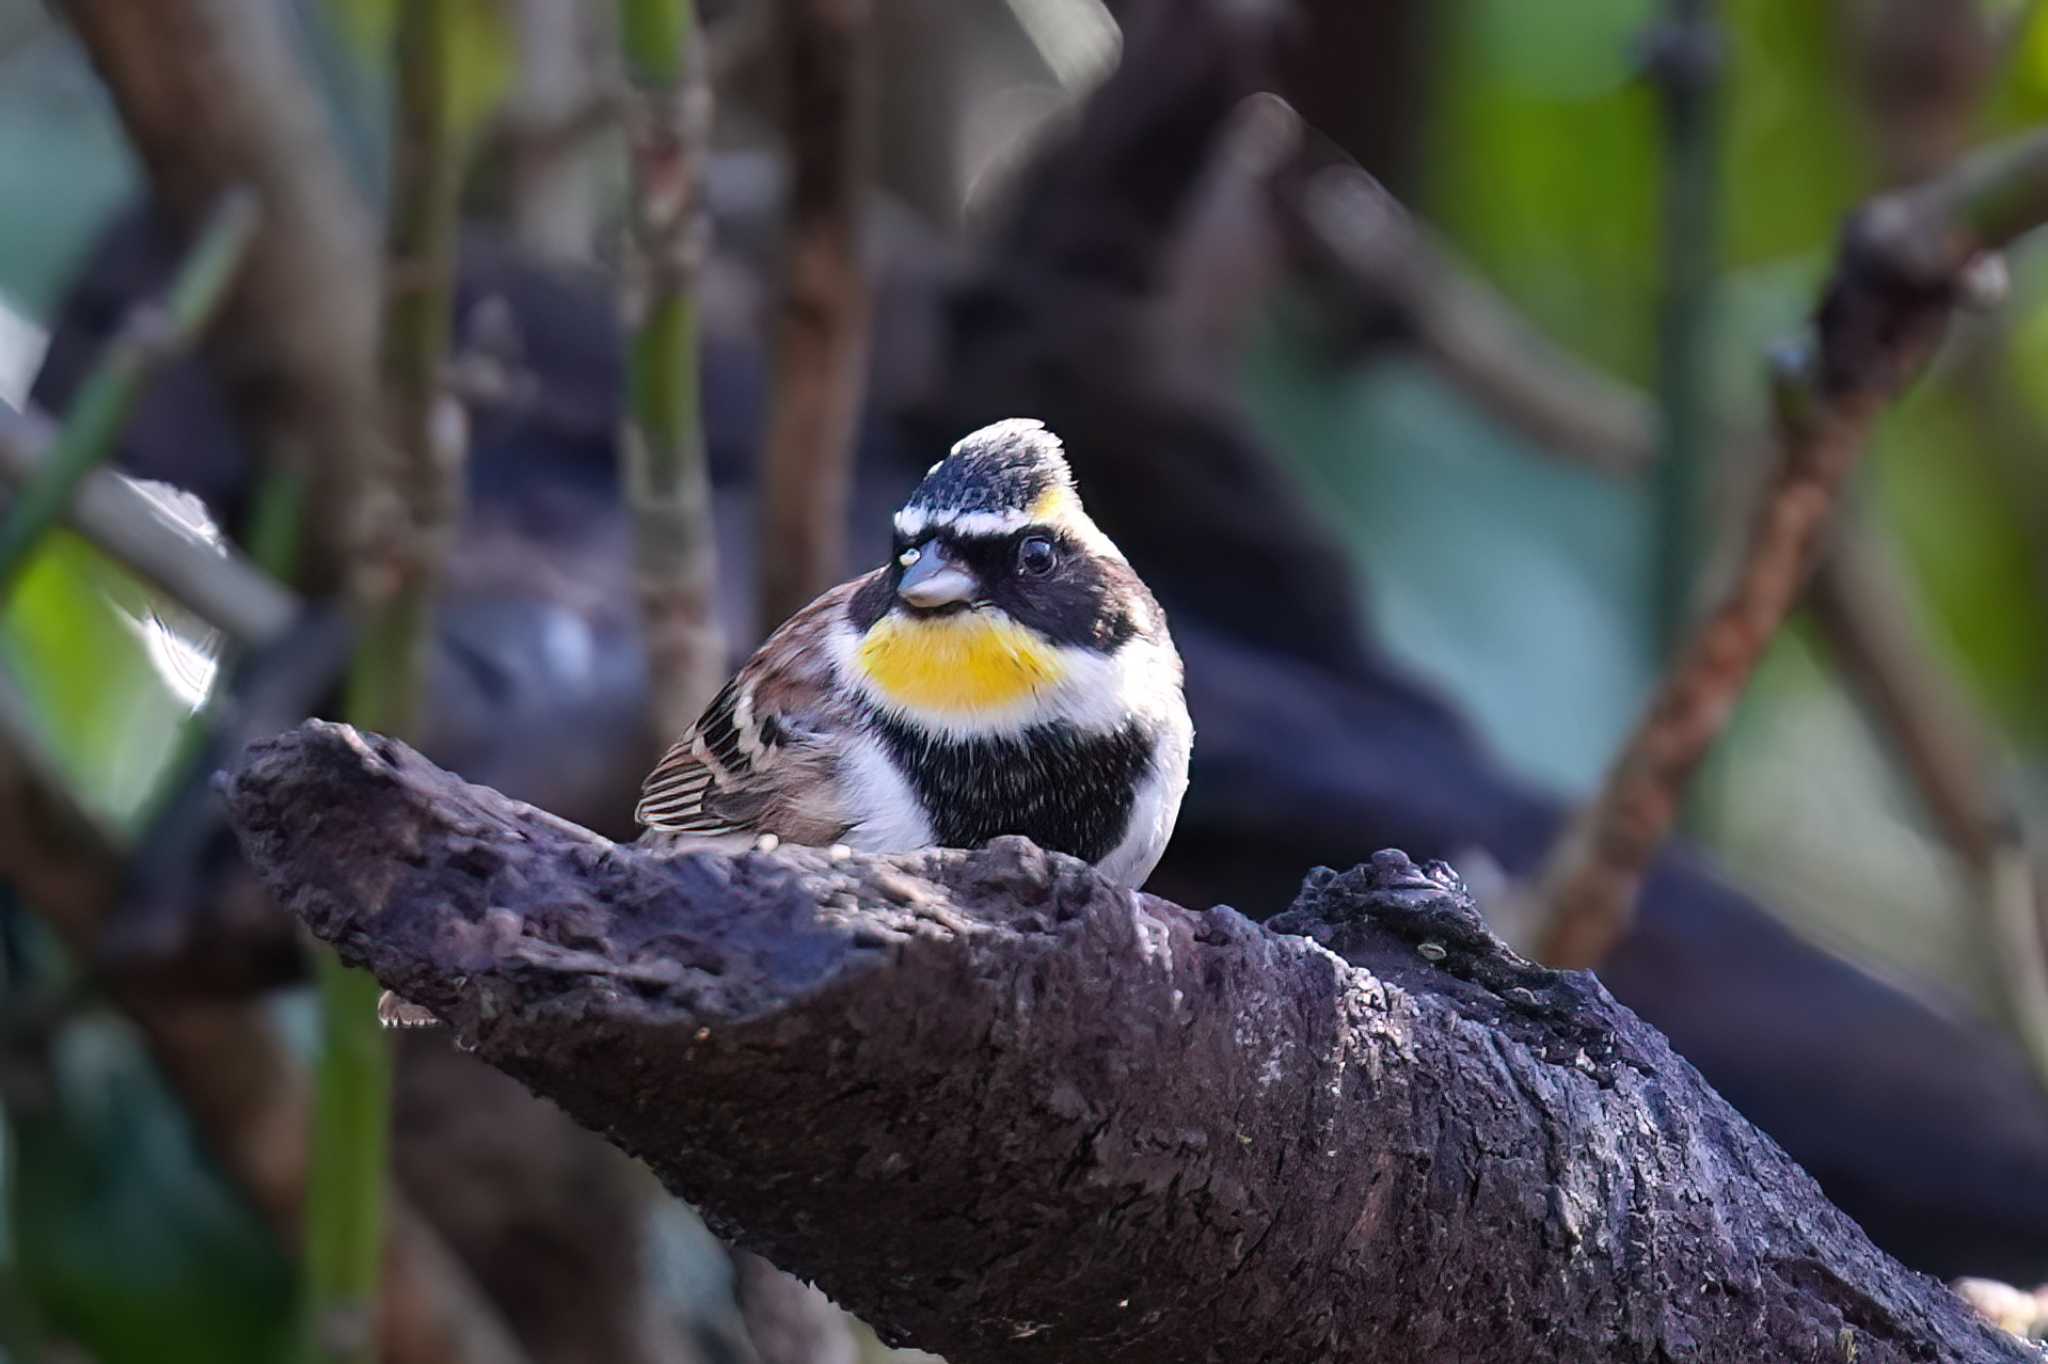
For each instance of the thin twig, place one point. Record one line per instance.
(668, 121)
(413, 501)
(223, 589)
(1857, 602)
(1479, 341)
(821, 337)
(2010, 887)
(151, 337)
(1685, 63)
(1905, 260)
(1571, 410)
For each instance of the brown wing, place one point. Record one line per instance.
(762, 758)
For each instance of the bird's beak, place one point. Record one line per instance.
(934, 579)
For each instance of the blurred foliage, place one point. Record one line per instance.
(60, 151)
(126, 1239)
(1518, 584)
(1513, 581)
(485, 54)
(82, 639)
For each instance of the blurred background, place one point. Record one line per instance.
(1431, 475)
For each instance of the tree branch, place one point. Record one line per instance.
(821, 335)
(1905, 261)
(211, 94)
(223, 589)
(151, 336)
(1479, 341)
(1005, 1110)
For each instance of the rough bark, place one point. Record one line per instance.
(1008, 1112)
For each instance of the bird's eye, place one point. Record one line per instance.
(1036, 556)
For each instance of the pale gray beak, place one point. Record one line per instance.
(934, 579)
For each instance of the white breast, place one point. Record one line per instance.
(1157, 806)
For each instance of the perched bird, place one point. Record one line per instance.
(1005, 673)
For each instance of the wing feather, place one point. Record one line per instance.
(762, 759)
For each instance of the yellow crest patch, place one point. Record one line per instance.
(969, 661)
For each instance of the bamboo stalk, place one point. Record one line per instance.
(668, 487)
(1685, 64)
(411, 505)
(151, 338)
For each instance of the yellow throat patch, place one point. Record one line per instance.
(968, 661)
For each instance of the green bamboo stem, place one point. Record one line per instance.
(667, 484)
(413, 501)
(152, 336)
(1685, 63)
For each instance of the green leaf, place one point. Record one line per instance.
(79, 637)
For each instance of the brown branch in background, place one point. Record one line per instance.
(244, 1091)
(667, 478)
(1857, 600)
(1574, 411)
(211, 95)
(1905, 261)
(821, 334)
(223, 589)
(1921, 70)
(1480, 341)
(152, 337)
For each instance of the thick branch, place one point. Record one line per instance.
(1003, 1109)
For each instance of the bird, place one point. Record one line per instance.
(1005, 672)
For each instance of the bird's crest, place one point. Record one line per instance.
(1003, 477)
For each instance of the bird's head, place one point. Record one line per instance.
(1003, 601)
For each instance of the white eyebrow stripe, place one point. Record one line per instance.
(912, 522)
